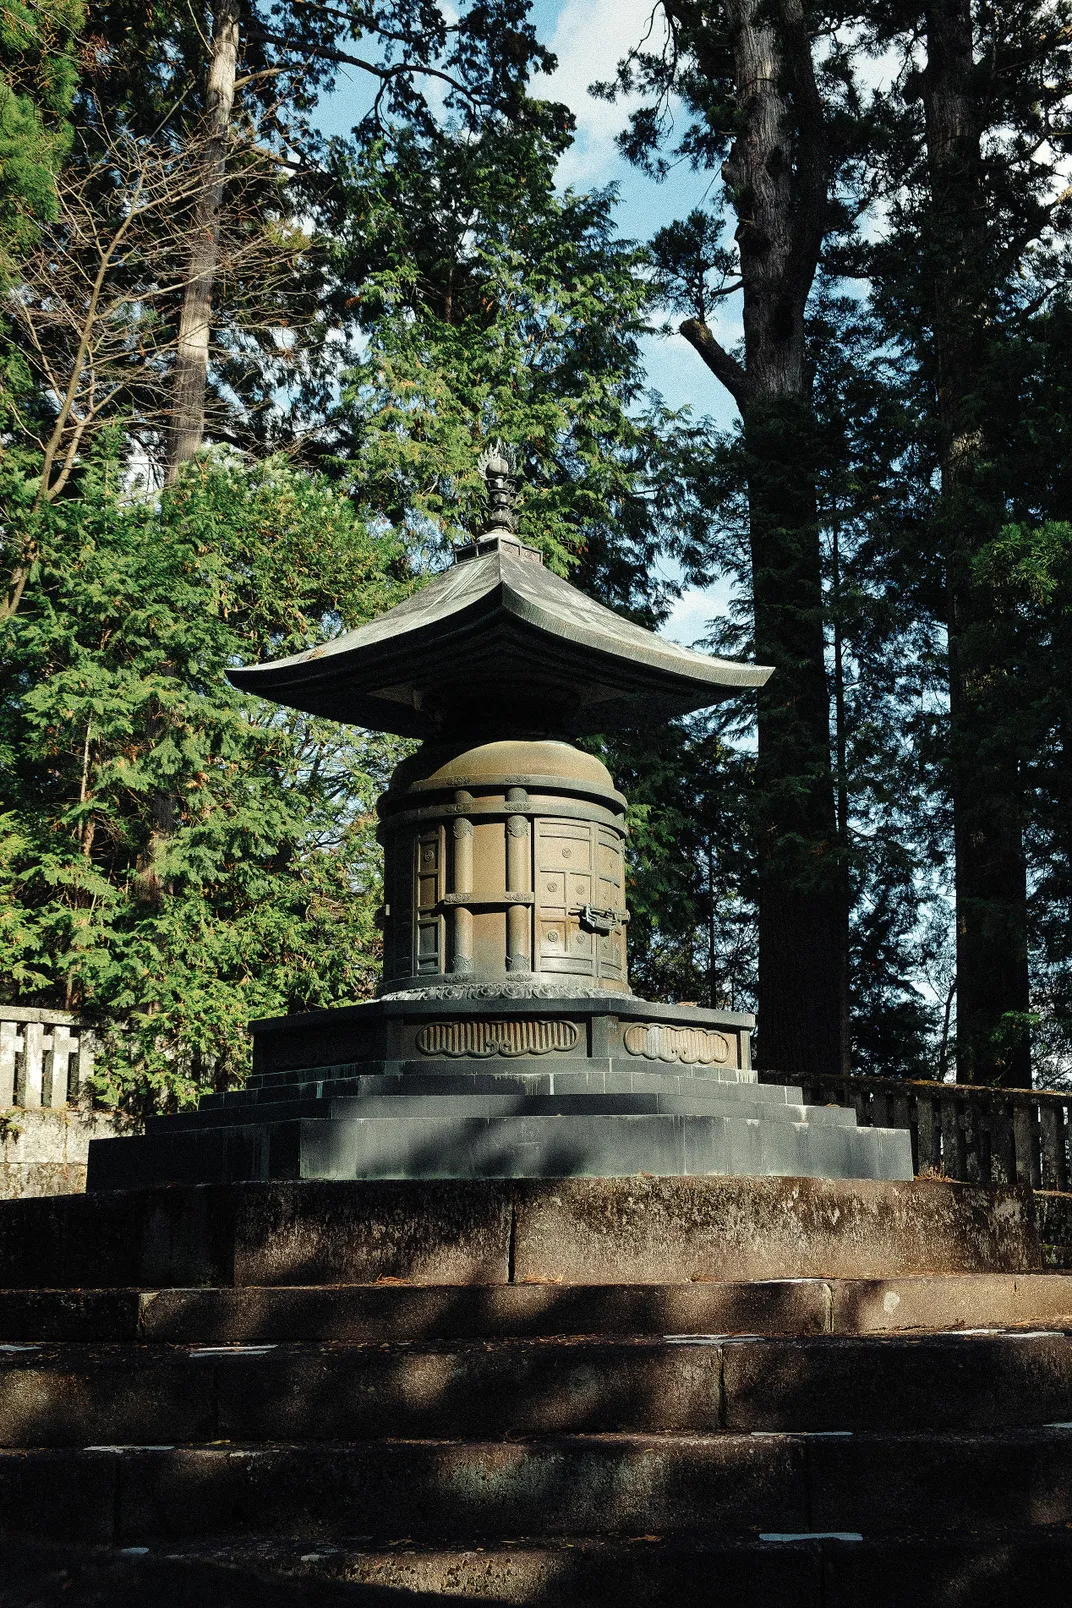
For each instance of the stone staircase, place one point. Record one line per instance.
(388, 1394)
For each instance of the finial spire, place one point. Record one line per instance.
(498, 464)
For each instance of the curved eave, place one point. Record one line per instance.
(540, 625)
(625, 641)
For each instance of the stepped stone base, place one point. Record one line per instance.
(505, 1087)
(569, 1231)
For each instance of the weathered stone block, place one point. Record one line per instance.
(619, 1230)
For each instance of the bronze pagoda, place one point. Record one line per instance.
(505, 1040)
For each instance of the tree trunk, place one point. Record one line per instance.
(992, 1040)
(803, 936)
(777, 176)
(191, 352)
(841, 780)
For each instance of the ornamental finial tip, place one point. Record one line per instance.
(498, 463)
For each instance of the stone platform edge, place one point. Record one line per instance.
(637, 1230)
(386, 1028)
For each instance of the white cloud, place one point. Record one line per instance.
(590, 38)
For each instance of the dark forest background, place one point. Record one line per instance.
(247, 370)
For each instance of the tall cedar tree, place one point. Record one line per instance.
(991, 875)
(744, 69)
(1029, 566)
(959, 275)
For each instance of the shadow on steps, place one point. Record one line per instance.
(65, 1577)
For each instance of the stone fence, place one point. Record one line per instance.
(48, 1120)
(46, 1057)
(980, 1135)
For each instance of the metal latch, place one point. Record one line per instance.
(603, 921)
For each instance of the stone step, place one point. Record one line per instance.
(568, 1486)
(999, 1569)
(391, 1312)
(39, 1575)
(73, 1394)
(579, 1073)
(451, 1080)
(560, 1231)
(735, 1102)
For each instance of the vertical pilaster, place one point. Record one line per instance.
(518, 880)
(57, 1061)
(83, 1066)
(463, 884)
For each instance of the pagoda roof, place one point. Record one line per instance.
(498, 641)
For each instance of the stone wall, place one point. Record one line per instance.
(45, 1152)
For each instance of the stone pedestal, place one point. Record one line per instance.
(526, 1083)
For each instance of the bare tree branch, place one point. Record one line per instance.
(96, 301)
(385, 73)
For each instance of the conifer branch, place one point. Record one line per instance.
(722, 364)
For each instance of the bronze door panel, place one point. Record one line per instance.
(428, 936)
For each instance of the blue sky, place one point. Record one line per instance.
(590, 37)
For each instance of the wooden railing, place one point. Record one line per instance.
(46, 1057)
(981, 1135)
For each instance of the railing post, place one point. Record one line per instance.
(879, 1114)
(1002, 1141)
(906, 1115)
(952, 1137)
(33, 1065)
(1025, 1138)
(9, 1043)
(928, 1135)
(83, 1066)
(57, 1060)
(1051, 1131)
(969, 1124)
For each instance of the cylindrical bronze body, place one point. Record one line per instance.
(503, 863)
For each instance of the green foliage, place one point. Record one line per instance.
(492, 307)
(1030, 568)
(176, 856)
(691, 870)
(38, 78)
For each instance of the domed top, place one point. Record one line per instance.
(533, 765)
